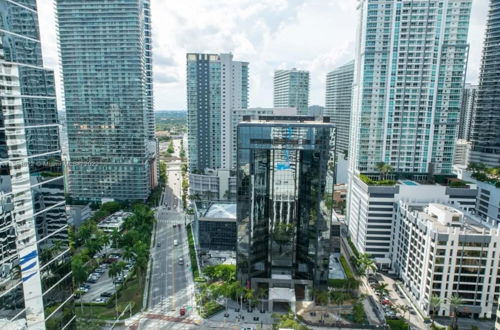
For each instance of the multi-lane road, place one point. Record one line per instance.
(171, 284)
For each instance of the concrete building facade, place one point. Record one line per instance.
(291, 90)
(443, 251)
(217, 87)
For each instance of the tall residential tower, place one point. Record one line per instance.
(217, 87)
(409, 74)
(338, 102)
(467, 111)
(291, 90)
(105, 49)
(486, 127)
(408, 79)
(35, 260)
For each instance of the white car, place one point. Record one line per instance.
(100, 300)
(175, 242)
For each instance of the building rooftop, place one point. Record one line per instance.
(444, 217)
(286, 119)
(114, 221)
(221, 211)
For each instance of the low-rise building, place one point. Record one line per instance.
(488, 195)
(440, 250)
(213, 185)
(371, 210)
(462, 150)
(216, 226)
(77, 214)
(113, 221)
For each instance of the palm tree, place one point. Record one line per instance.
(383, 169)
(455, 301)
(260, 294)
(365, 264)
(382, 289)
(113, 272)
(435, 302)
(404, 309)
(380, 167)
(338, 298)
(79, 273)
(115, 237)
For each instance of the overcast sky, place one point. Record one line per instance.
(315, 35)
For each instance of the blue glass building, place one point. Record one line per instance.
(35, 269)
(105, 49)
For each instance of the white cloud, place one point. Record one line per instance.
(316, 35)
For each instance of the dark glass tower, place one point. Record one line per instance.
(283, 217)
(35, 271)
(486, 125)
(106, 49)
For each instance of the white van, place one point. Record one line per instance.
(175, 242)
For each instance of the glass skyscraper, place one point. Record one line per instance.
(283, 208)
(338, 102)
(217, 89)
(291, 90)
(35, 265)
(105, 48)
(408, 78)
(485, 135)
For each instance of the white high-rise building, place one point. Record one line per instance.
(291, 90)
(409, 72)
(442, 251)
(217, 87)
(338, 102)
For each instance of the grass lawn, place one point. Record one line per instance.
(397, 324)
(129, 294)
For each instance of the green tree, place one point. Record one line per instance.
(365, 264)
(170, 148)
(383, 169)
(114, 271)
(455, 301)
(79, 273)
(115, 237)
(382, 289)
(435, 303)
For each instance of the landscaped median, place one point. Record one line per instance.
(192, 253)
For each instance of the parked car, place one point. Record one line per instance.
(182, 311)
(99, 300)
(181, 261)
(106, 294)
(175, 242)
(118, 280)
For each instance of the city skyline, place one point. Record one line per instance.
(258, 33)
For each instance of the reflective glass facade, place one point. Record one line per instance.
(486, 123)
(35, 270)
(291, 90)
(283, 221)
(338, 102)
(105, 49)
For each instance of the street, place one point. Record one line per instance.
(171, 285)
